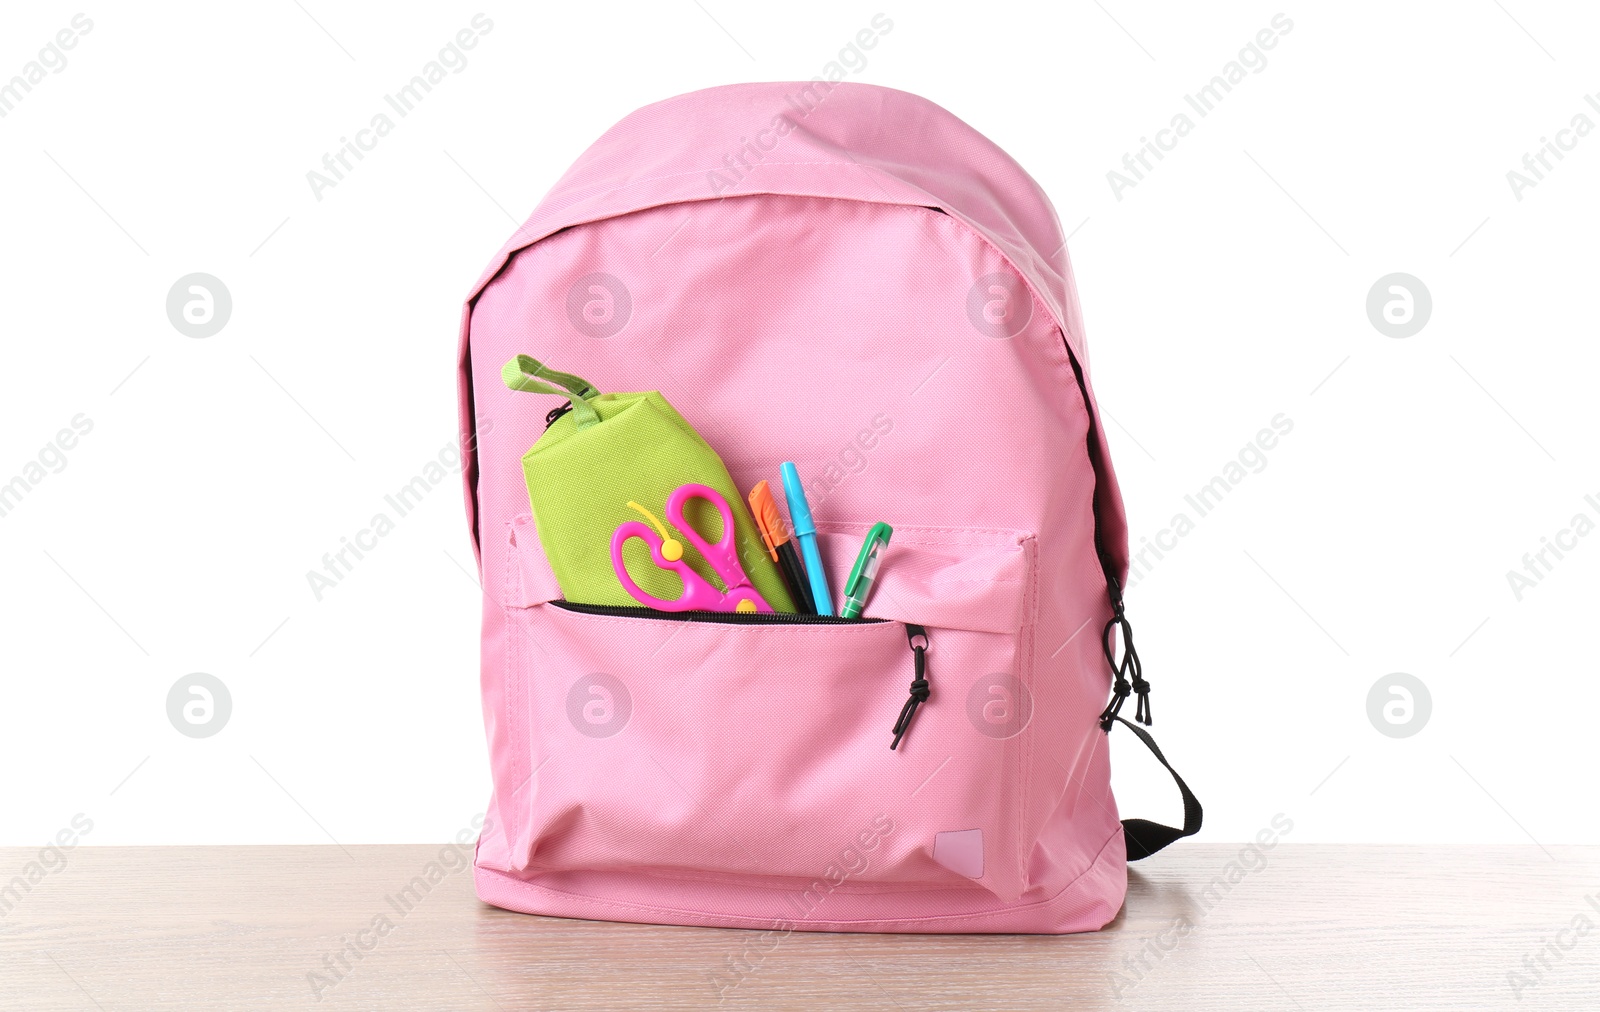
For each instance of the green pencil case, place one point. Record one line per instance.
(615, 458)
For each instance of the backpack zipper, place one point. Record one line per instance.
(1129, 672)
(916, 638)
(723, 617)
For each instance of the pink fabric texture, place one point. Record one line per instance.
(852, 279)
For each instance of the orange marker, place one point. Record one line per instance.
(779, 545)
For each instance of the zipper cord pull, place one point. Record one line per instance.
(1129, 673)
(557, 412)
(919, 684)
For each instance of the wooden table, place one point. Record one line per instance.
(1316, 927)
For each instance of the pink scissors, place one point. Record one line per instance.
(667, 552)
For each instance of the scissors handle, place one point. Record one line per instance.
(698, 594)
(722, 555)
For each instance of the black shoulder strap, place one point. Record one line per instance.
(1145, 837)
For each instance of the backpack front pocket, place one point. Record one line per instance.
(717, 746)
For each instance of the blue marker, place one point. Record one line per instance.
(805, 531)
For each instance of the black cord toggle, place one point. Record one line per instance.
(919, 683)
(1141, 688)
(1129, 672)
(1119, 695)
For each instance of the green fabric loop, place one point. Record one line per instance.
(527, 374)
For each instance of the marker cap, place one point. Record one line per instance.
(768, 520)
(799, 509)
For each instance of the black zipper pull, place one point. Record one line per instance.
(919, 684)
(1129, 673)
(557, 412)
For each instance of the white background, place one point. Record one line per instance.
(1226, 287)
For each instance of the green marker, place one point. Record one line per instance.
(865, 571)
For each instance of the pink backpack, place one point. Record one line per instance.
(850, 278)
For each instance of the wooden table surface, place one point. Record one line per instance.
(1316, 927)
